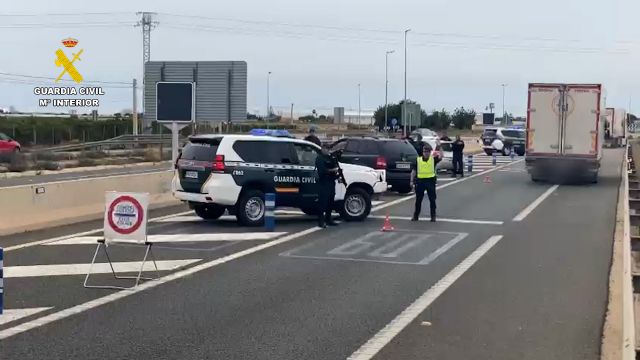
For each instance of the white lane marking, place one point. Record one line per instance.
(442, 249)
(45, 241)
(376, 202)
(147, 285)
(193, 218)
(384, 336)
(439, 179)
(178, 238)
(98, 268)
(526, 211)
(9, 315)
(403, 199)
(462, 221)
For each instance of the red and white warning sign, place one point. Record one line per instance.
(125, 216)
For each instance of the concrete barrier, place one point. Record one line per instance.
(33, 207)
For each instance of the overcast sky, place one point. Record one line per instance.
(460, 51)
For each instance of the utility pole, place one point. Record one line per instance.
(268, 104)
(134, 116)
(386, 86)
(404, 103)
(291, 113)
(359, 109)
(147, 24)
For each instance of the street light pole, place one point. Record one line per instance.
(386, 86)
(404, 103)
(359, 104)
(268, 104)
(504, 114)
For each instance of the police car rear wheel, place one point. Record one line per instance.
(251, 208)
(209, 212)
(356, 205)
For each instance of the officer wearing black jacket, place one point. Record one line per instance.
(313, 138)
(423, 178)
(328, 172)
(457, 148)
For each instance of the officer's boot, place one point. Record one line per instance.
(321, 223)
(329, 220)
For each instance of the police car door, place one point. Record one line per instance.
(286, 178)
(306, 165)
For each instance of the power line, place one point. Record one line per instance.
(68, 14)
(469, 45)
(396, 32)
(237, 31)
(371, 30)
(67, 24)
(50, 78)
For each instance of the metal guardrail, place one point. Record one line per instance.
(118, 141)
(630, 296)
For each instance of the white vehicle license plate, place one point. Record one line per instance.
(191, 174)
(403, 166)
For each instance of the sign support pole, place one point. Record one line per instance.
(175, 128)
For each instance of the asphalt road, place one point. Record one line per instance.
(89, 174)
(475, 285)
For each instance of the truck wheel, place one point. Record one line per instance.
(251, 208)
(488, 152)
(520, 152)
(209, 211)
(356, 205)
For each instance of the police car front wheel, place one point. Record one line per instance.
(356, 205)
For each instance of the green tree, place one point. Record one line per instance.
(394, 111)
(437, 120)
(462, 118)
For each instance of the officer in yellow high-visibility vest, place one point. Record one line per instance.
(423, 178)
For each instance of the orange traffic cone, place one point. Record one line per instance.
(487, 179)
(387, 225)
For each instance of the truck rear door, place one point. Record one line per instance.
(544, 119)
(581, 120)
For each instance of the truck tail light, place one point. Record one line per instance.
(381, 162)
(218, 164)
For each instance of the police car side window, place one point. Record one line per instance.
(265, 152)
(306, 155)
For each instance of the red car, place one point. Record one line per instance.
(7, 144)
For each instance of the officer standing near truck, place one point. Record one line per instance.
(327, 168)
(423, 178)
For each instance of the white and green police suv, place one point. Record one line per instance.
(215, 173)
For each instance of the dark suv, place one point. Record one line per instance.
(392, 155)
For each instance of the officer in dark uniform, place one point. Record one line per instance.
(423, 178)
(312, 137)
(457, 148)
(327, 168)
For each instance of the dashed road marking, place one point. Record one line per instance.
(98, 268)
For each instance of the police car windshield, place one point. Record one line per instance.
(199, 151)
(513, 133)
